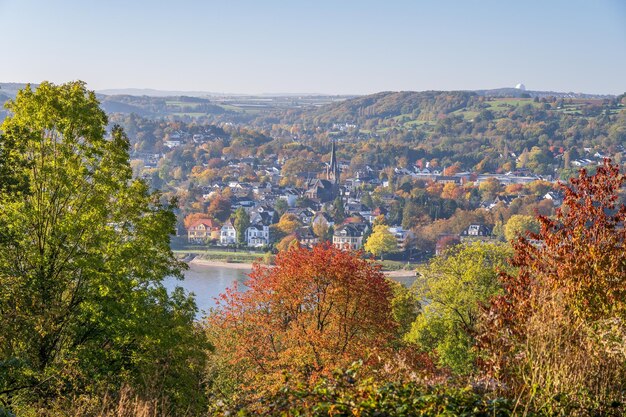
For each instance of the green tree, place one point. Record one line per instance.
(281, 207)
(367, 200)
(518, 225)
(381, 241)
(405, 307)
(338, 211)
(454, 286)
(84, 248)
(242, 222)
(411, 215)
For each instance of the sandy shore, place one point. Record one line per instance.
(400, 273)
(220, 264)
(247, 266)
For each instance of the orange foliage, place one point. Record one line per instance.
(316, 310)
(219, 208)
(451, 170)
(577, 260)
(513, 188)
(452, 191)
(435, 188)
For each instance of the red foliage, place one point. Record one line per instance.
(219, 208)
(316, 310)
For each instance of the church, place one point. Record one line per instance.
(325, 190)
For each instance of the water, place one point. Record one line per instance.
(208, 282)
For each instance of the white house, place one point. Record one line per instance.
(404, 238)
(350, 236)
(258, 235)
(228, 234)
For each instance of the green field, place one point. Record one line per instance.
(504, 103)
(175, 103)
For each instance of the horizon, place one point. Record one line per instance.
(350, 48)
(200, 94)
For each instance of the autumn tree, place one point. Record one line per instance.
(323, 231)
(287, 242)
(219, 208)
(570, 292)
(316, 310)
(518, 225)
(381, 241)
(288, 223)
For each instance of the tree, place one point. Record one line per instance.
(323, 231)
(366, 199)
(316, 310)
(281, 206)
(518, 225)
(84, 248)
(219, 208)
(242, 222)
(381, 241)
(338, 212)
(287, 242)
(455, 285)
(412, 214)
(405, 307)
(489, 188)
(570, 289)
(288, 223)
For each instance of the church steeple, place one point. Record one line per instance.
(333, 172)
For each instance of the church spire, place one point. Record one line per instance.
(332, 172)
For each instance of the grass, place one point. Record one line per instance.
(467, 114)
(396, 265)
(241, 256)
(418, 123)
(503, 103)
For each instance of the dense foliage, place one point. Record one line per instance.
(314, 311)
(529, 321)
(83, 251)
(557, 335)
(454, 287)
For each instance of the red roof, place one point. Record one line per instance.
(208, 223)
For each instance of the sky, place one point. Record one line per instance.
(321, 46)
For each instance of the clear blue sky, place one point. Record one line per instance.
(321, 46)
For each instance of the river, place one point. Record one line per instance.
(208, 282)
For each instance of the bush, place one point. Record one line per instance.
(344, 395)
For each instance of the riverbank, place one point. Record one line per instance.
(400, 273)
(220, 264)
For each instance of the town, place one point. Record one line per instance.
(458, 166)
(328, 204)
